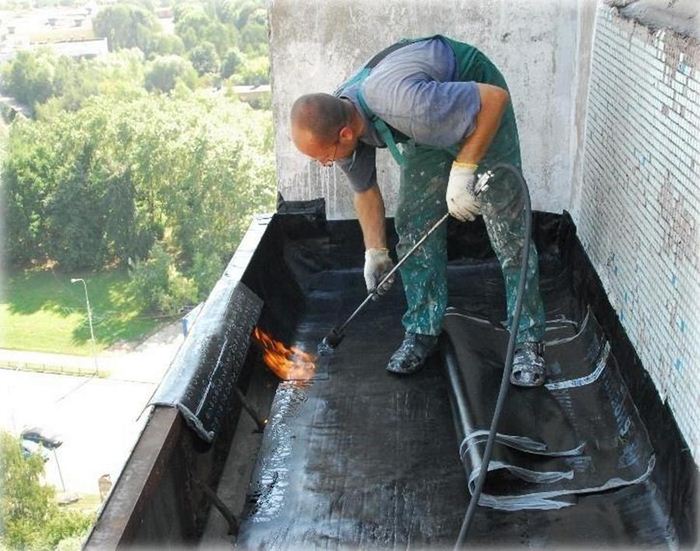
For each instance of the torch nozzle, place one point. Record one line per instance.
(330, 342)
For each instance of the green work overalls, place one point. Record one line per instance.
(423, 184)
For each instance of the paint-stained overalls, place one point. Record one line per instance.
(424, 174)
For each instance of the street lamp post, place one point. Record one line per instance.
(89, 312)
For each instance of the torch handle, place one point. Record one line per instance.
(389, 274)
(482, 184)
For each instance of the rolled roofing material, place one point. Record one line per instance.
(580, 433)
(200, 379)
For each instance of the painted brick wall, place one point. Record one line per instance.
(639, 200)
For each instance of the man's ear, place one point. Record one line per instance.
(346, 134)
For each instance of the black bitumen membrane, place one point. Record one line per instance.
(360, 458)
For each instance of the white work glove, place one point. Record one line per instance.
(377, 265)
(461, 200)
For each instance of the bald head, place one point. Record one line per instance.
(322, 115)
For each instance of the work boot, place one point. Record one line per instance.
(528, 365)
(411, 355)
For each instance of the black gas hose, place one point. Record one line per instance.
(503, 391)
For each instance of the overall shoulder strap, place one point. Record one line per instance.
(357, 78)
(383, 130)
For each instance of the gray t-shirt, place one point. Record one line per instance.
(413, 90)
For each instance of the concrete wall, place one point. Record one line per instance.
(637, 204)
(315, 44)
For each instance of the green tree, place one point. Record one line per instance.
(74, 82)
(225, 11)
(102, 184)
(159, 286)
(204, 58)
(119, 74)
(209, 169)
(164, 72)
(195, 26)
(231, 63)
(191, 24)
(66, 193)
(27, 177)
(253, 71)
(37, 78)
(30, 77)
(127, 26)
(167, 44)
(30, 516)
(243, 11)
(253, 35)
(75, 226)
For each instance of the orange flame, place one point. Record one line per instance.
(288, 363)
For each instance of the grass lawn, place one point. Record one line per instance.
(87, 504)
(44, 311)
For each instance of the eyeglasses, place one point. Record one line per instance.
(327, 163)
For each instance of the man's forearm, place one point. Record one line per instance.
(494, 101)
(369, 207)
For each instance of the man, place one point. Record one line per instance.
(448, 106)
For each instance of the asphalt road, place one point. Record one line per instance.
(95, 418)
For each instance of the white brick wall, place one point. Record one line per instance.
(639, 206)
